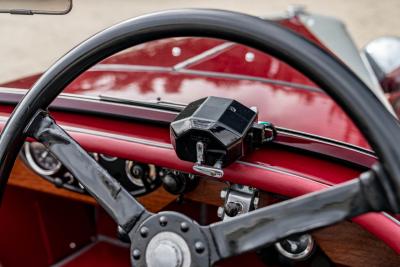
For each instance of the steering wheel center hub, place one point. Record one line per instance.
(168, 249)
(169, 239)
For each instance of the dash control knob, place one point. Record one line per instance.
(178, 183)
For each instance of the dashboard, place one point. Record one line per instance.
(46, 168)
(138, 178)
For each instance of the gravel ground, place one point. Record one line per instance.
(30, 44)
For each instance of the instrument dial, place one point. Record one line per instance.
(137, 172)
(40, 159)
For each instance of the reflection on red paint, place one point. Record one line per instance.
(286, 106)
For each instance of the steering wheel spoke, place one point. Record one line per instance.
(302, 214)
(116, 200)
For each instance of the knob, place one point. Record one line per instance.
(58, 182)
(233, 208)
(173, 183)
(178, 183)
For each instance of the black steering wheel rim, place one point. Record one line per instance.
(378, 125)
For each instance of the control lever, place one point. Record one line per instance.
(213, 171)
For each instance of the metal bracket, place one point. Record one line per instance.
(238, 199)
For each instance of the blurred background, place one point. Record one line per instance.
(30, 44)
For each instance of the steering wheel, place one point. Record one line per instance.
(170, 238)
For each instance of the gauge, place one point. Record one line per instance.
(40, 159)
(137, 172)
(107, 157)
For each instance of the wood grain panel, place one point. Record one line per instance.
(24, 177)
(207, 191)
(348, 244)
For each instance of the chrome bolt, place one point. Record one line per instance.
(199, 247)
(223, 193)
(184, 227)
(220, 212)
(163, 221)
(256, 201)
(136, 254)
(233, 208)
(144, 231)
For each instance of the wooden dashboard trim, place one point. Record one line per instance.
(23, 176)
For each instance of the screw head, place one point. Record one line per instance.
(184, 226)
(233, 208)
(223, 193)
(220, 212)
(199, 247)
(256, 201)
(163, 221)
(136, 254)
(144, 231)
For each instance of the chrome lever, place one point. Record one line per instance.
(213, 171)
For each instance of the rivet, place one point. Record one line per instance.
(184, 226)
(176, 51)
(163, 221)
(249, 57)
(199, 247)
(136, 254)
(144, 231)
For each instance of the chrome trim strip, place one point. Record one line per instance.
(215, 74)
(118, 137)
(208, 53)
(212, 74)
(326, 140)
(390, 217)
(129, 68)
(95, 105)
(333, 149)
